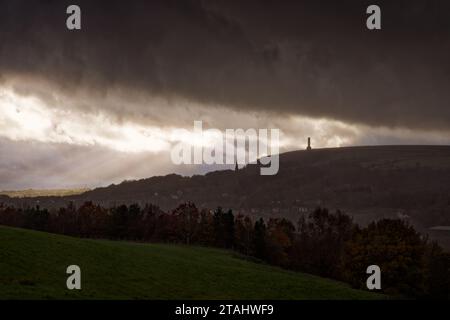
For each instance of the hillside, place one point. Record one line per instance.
(32, 266)
(368, 183)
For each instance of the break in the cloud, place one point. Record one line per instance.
(101, 105)
(48, 147)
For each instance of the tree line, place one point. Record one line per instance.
(322, 243)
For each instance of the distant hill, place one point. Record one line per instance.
(32, 193)
(408, 182)
(33, 266)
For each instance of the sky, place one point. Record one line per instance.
(90, 107)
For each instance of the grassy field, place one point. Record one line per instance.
(33, 265)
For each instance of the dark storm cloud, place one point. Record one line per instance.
(313, 58)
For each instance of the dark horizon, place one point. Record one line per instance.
(99, 105)
(211, 169)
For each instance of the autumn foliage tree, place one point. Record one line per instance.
(319, 246)
(396, 248)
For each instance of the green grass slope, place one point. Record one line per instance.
(33, 265)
